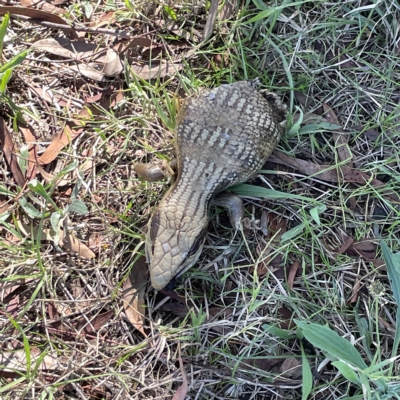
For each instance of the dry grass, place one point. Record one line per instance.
(232, 316)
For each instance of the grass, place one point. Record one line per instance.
(239, 314)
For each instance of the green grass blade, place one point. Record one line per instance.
(393, 266)
(307, 379)
(258, 191)
(15, 61)
(3, 31)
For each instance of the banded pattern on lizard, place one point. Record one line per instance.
(224, 136)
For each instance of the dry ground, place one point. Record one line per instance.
(73, 213)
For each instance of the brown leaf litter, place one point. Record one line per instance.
(67, 240)
(9, 149)
(134, 289)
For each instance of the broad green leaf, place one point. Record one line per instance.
(5, 191)
(29, 208)
(38, 188)
(55, 221)
(329, 341)
(315, 211)
(290, 234)
(307, 378)
(347, 372)
(274, 330)
(78, 206)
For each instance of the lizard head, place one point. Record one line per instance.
(173, 244)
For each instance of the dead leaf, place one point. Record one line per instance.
(227, 9)
(307, 101)
(53, 97)
(157, 71)
(30, 140)
(4, 206)
(140, 41)
(354, 292)
(371, 134)
(291, 368)
(366, 248)
(208, 29)
(43, 5)
(95, 61)
(388, 326)
(58, 143)
(330, 174)
(292, 274)
(67, 240)
(346, 245)
(133, 294)
(9, 149)
(265, 364)
(180, 394)
(178, 309)
(112, 64)
(89, 71)
(73, 49)
(340, 139)
(109, 98)
(288, 322)
(106, 19)
(32, 13)
(341, 144)
(96, 323)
